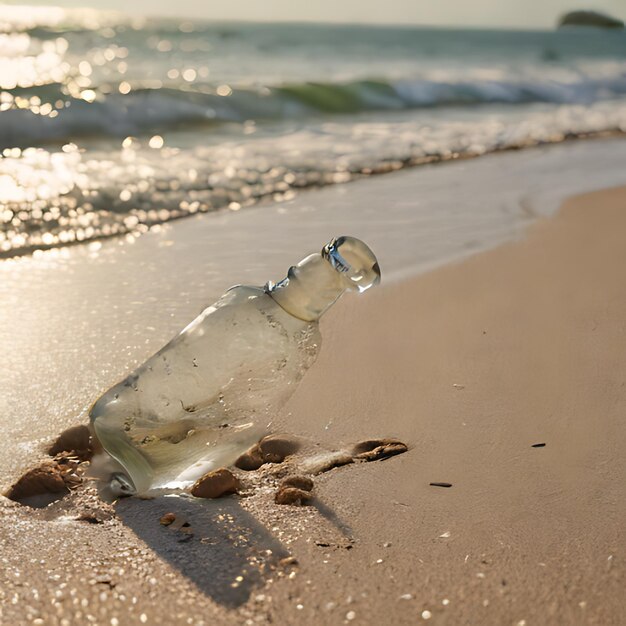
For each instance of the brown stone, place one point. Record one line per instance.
(292, 495)
(276, 448)
(76, 440)
(168, 519)
(299, 482)
(43, 480)
(378, 449)
(216, 484)
(251, 459)
(271, 449)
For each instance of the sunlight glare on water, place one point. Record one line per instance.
(112, 124)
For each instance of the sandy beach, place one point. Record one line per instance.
(451, 453)
(472, 365)
(483, 360)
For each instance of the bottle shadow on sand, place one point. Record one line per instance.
(216, 544)
(222, 544)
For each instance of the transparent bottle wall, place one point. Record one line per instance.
(216, 387)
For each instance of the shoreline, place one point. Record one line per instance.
(502, 191)
(382, 169)
(471, 364)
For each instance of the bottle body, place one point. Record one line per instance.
(215, 388)
(207, 395)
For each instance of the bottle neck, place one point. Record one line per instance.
(310, 288)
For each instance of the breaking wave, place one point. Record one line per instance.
(145, 110)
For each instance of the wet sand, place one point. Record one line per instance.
(471, 365)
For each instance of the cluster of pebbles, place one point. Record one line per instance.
(59, 475)
(282, 464)
(70, 455)
(232, 546)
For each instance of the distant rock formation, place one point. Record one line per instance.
(590, 18)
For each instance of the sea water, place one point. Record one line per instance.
(110, 124)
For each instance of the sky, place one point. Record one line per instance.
(474, 13)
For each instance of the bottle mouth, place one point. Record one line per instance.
(354, 261)
(311, 286)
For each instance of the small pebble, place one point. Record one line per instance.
(378, 449)
(167, 519)
(77, 440)
(350, 615)
(426, 614)
(43, 480)
(276, 448)
(215, 484)
(271, 449)
(291, 495)
(250, 460)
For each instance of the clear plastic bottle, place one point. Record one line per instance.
(214, 389)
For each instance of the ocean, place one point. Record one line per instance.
(111, 125)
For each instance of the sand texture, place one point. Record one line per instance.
(471, 366)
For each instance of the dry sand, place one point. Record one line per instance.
(470, 365)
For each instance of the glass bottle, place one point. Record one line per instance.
(214, 389)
